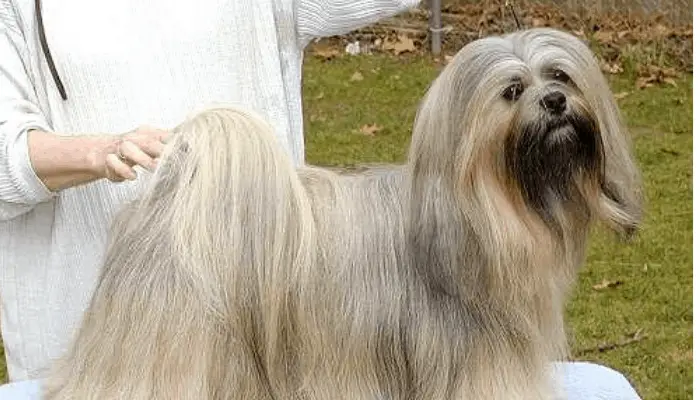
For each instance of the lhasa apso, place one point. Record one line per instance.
(238, 276)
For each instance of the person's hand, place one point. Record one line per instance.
(142, 146)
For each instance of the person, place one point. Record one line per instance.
(88, 91)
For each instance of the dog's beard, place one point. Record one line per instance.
(547, 155)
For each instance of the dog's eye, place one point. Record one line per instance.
(561, 76)
(513, 91)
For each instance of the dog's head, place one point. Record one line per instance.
(532, 113)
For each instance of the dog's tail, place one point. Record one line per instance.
(195, 298)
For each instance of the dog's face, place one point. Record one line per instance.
(532, 110)
(551, 138)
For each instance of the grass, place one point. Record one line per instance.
(656, 269)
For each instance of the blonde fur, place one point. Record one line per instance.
(237, 276)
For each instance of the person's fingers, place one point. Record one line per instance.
(151, 132)
(153, 148)
(162, 135)
(117, 170)
(150, 140)
(133, 153)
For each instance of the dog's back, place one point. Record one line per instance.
(354, 346)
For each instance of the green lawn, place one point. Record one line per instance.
(656, 270)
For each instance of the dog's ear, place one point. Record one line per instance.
(621, 208)
(620, 199)
(621, 195)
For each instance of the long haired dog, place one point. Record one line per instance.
(238, 276)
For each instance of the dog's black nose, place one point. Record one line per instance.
(554, 102)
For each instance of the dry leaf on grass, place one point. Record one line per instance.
(650, 75)
(357, 76)
(605, 37)
(621, 95)
(644, 82)
(537, 22)
(370, 130)
(317, 118)
(612, 68)
(623, 34)
(605, 284)
(662, 30)
(325, 52)
(402, 45)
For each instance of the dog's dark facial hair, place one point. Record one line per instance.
(545, 156)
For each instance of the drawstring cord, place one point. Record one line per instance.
(47, 52)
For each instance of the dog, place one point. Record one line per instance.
(237, 275)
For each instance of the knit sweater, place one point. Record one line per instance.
(124, 64)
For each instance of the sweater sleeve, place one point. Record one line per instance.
(323, 18)
(20, 188)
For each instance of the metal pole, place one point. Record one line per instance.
(436, 26)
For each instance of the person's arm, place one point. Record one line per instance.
(36, 163)
(20, 188)
(323, 18)
(61, 162)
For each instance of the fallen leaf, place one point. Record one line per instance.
(604, 36)
(317, 118)
(621, 95)
(536, 22)
(402, 45)
(325, 52)
(605, 284)
(623, 34)
(645, 82)
(662, 30)
(319, 96)
(613, 69)
(357, 76)
(370, 130)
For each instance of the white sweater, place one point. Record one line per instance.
(127, 63)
